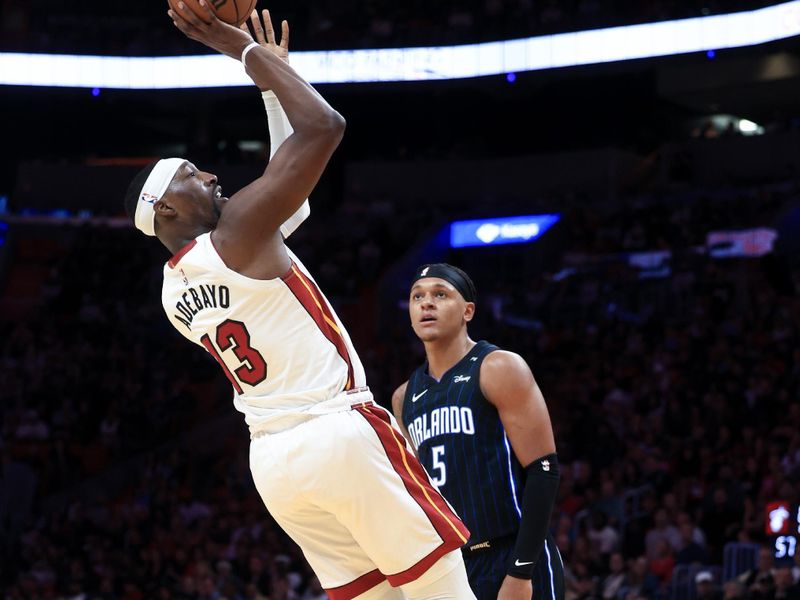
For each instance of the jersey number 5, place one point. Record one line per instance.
(437, 453)
(234, 335)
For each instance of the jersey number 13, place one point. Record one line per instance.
(231, 334)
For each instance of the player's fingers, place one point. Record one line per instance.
(268, 27)
(210, 14)
(285, 35)
(185, 13)
(257, 29)
(179, 21)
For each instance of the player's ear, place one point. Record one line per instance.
(165, 207)
(469, 311)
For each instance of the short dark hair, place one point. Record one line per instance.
(135, 188)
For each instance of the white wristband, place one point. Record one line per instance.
(247, 49)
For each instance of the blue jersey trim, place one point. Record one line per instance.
(511, 475)
(550, 569)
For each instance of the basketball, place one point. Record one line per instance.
(234, 12)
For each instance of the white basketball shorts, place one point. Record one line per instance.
(348, 489)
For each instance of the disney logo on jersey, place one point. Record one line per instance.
(461, 378)
(440, 421)
(204, 296)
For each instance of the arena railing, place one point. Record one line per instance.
(738, 558)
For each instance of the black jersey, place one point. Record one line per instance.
(462, 444)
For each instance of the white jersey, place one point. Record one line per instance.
(279, 342)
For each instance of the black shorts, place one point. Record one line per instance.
(486, 569)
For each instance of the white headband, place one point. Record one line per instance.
(157, 183)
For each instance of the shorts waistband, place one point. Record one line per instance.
(342, 401)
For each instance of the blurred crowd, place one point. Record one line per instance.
(95, 376)
(673, 398)
(143, 29)
(183, 528)
(677, 221)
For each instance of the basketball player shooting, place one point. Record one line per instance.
(329, 464)
(477, 417)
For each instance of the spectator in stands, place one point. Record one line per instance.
(663, 530)
(720, 521)
(604, 537)
(664, 561)
(690, 552)
(706, 587)
(785, 586)
(579, 583)
(698, 537)
(616, 578)
(734, 590)
(609, 502)
(759, 581)
(640, 582)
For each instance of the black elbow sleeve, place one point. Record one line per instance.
(538, 498)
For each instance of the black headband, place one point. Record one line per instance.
(463, 284)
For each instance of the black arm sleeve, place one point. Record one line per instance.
(541, 488)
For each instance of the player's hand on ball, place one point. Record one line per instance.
(281, 50)
(209, 30)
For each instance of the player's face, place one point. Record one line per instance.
(437, 309)
(197, 196)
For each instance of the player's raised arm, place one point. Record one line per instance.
(250, 224)
(279, 126)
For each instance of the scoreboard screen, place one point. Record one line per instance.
(782, 526)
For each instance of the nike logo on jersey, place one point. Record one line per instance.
(460, 378)
(473, 359)
(521, 564)
(415, 397)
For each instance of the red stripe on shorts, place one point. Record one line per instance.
(356, 587)
(317, 307)
(451, 530)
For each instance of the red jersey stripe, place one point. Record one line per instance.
(453, 532)
(312, 300)
(356, 587)
(416, 571)
(173, 262)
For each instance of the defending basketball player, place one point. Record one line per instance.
(329, 463)
(482, 430)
